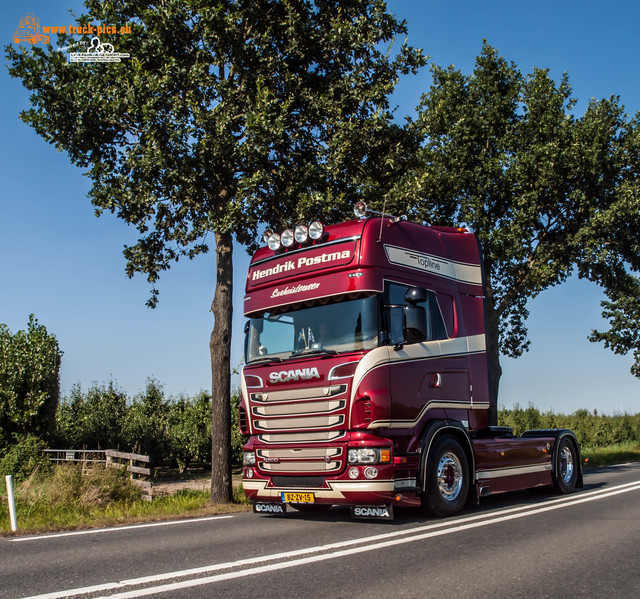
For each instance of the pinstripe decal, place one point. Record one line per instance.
(432, 405)
(435, 265)
(515, 471)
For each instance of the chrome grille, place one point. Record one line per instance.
(298, 423)
(317, 453)
(299, 394)
(303, 408)
(301, 467)
(319, 437)
(296, 460)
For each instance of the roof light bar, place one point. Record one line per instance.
(301, 234)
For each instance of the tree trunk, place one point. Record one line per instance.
(220, 348)
(492, 331)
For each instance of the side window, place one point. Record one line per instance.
(394, 304)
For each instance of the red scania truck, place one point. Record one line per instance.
(365, 381)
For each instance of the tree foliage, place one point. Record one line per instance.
(546, 192)
(225, 116)
(29, 382)
(93, 419)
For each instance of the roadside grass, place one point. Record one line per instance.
(68, 498)
(608, 456)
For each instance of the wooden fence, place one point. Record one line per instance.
(138, 466)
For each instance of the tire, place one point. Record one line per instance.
(565, 466)
(447, 478)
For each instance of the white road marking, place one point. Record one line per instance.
(91, 531)
(336, 550)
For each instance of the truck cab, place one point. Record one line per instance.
(365, 380)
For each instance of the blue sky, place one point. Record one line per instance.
(60, 262)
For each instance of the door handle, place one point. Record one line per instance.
(435, 381)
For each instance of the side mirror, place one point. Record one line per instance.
(415, 295)
(414, 318)
(414, 324)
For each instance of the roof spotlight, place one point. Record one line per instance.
(266, 235)
(274, 242)
(316, 230)
(360, 209)
(287, 238)
(301, 233)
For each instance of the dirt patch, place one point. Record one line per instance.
(169, 486)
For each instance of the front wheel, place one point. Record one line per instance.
(447, 478)
(565, 467)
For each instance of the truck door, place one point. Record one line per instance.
(419, 373)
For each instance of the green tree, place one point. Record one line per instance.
(190, 430)
(542, 189)
(225, 115)
(92, 420)
(29, 382)
(147, 423)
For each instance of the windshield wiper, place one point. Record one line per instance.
(308, 352)
(265, 359)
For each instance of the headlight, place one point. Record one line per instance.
(369, 455)
(248, 458)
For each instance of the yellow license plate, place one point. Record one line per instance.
(298, 498)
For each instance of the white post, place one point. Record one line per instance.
(12, 503)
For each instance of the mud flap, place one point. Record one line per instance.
(269, 508)
(372, 512)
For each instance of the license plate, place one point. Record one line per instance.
(298, 498)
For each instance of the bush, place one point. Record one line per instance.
(591, 429)
(23, 457)
(237, 438)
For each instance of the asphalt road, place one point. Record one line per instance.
(515, 545)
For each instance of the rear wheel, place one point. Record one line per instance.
(565, 467)
(447, 478)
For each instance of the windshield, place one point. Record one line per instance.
(329, 327)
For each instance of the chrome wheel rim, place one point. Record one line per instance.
(449, 476)
(566, 465)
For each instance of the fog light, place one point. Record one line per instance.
(371, 472)
(353, 473)
(249, 472)
(248, 458)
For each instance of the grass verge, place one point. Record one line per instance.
(611, 455)
(68, 498)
